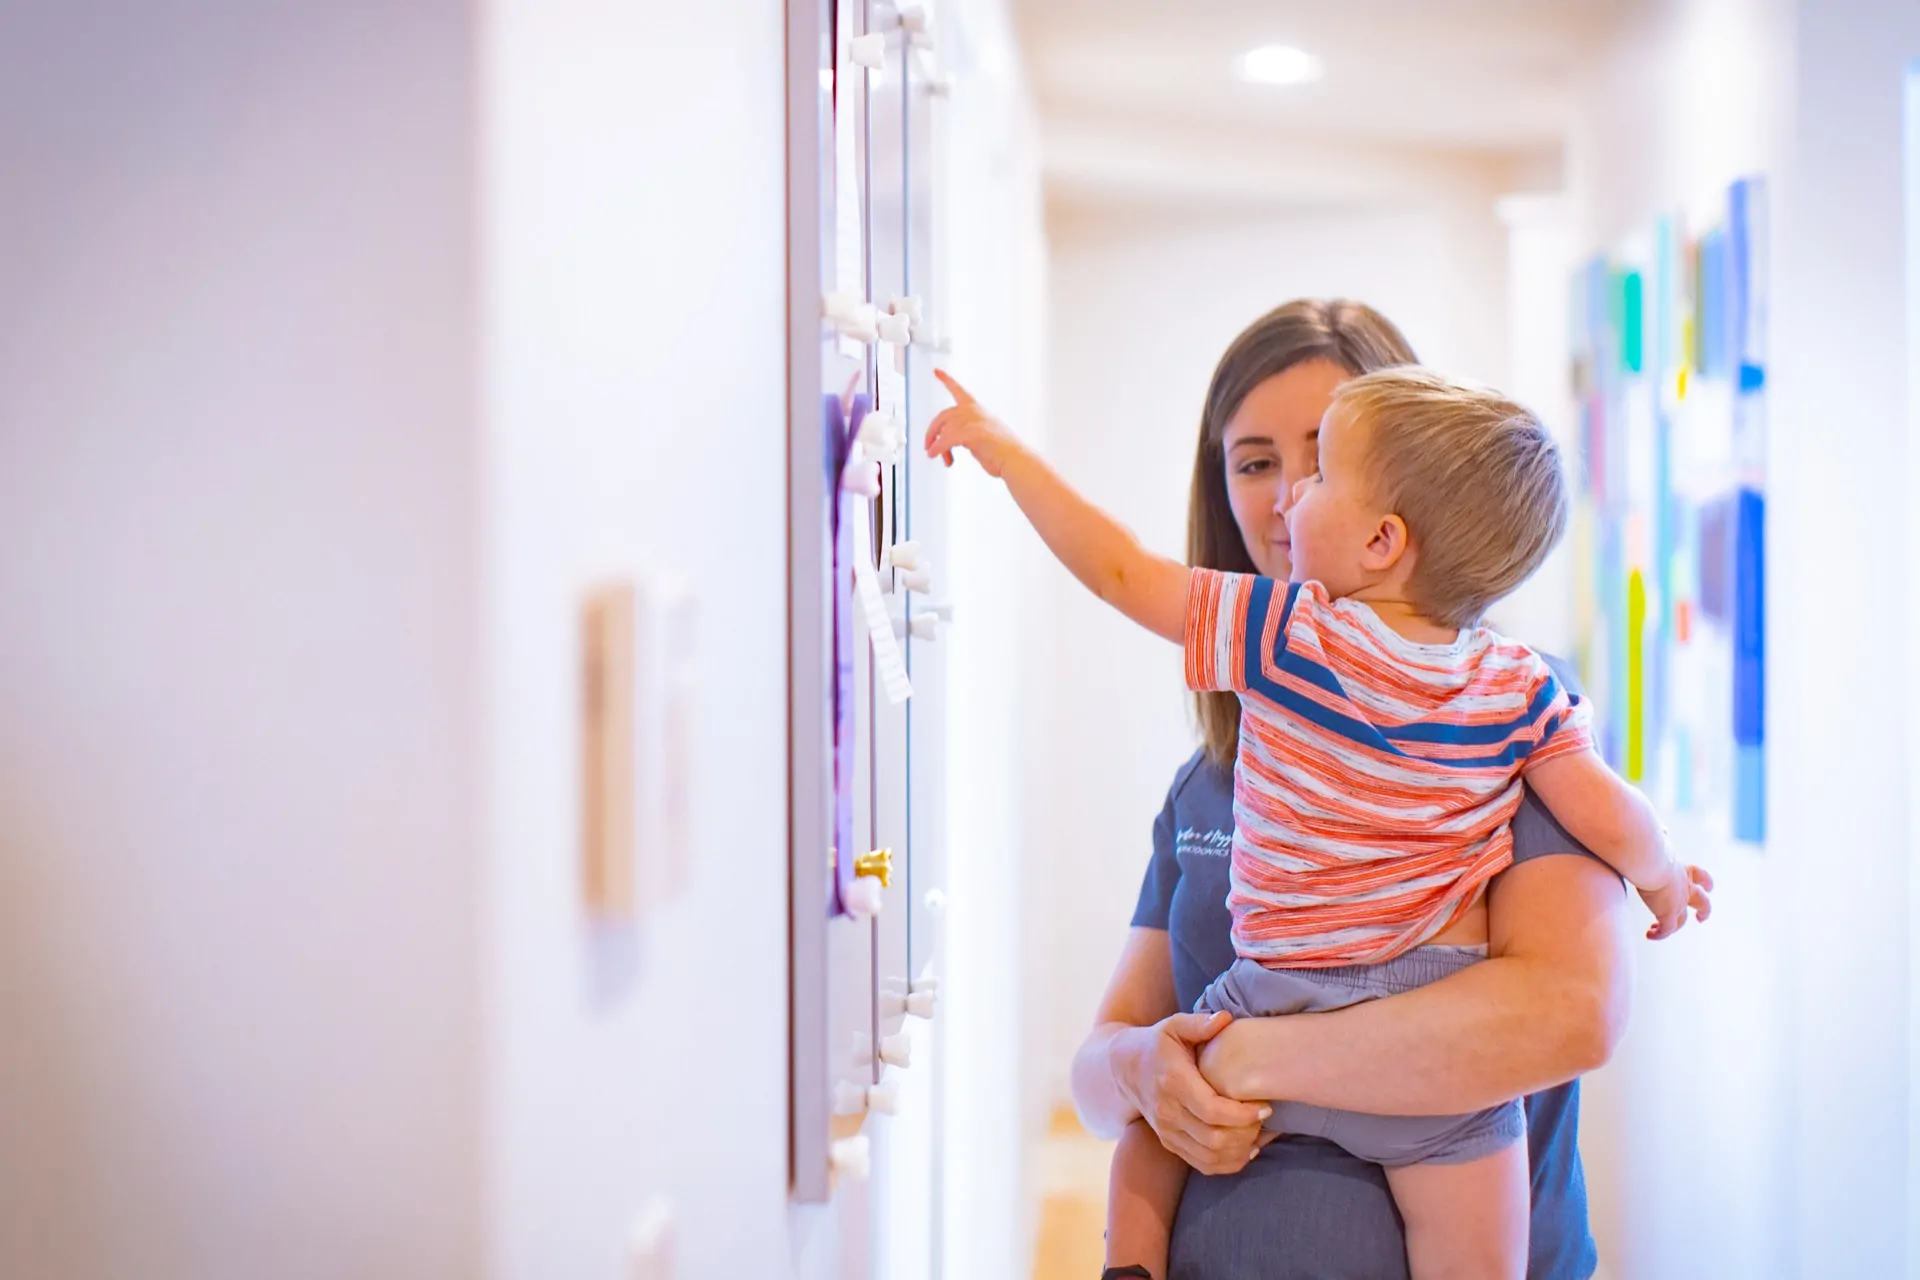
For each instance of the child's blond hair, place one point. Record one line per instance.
(1475, 476)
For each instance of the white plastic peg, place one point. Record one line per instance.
(897, 1050)
(885, 1096)
(926, 981)
(862, 476)
(851, 1157)
(908, 306)
(924, 625)
(880, 437)
(896, 329)
(849, 1099)
(914, 572)
(914, 19)
(903, 555)
(852, 315)
(908, 17)
(920, 1003)
(869, 51)
(865, 897)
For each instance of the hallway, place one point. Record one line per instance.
(1073, 1201)
(516, 765)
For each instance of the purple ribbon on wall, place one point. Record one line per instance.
(841, 430)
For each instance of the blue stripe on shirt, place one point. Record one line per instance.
(1463, 735)
(1362, 732)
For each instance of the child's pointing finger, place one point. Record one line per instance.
(959, 393)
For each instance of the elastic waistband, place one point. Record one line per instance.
(1417, 968)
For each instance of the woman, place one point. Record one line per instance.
(1547, 1006)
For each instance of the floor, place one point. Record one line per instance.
(1073, 1205)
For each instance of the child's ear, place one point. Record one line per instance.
(1388, 545)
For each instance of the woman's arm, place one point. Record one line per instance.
(1095, 548)
(1138, 1063)
(1549, 1005)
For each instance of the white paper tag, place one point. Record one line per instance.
(887, 659)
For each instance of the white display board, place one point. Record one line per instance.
(866, 677)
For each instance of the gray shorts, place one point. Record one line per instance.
(1251, 990)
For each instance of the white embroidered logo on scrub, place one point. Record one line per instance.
(1203, 844)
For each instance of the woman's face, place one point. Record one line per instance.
(1271, 444)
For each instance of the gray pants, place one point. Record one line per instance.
(1251, 990)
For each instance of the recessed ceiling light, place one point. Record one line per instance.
(1279, 64)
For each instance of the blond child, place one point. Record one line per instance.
(1384, 737)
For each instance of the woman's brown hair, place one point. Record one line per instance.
(1351, 335)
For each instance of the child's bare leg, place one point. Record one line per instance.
(1466, 1220)
(1143, 1193)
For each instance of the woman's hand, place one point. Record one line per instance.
(968, 426)
(1686, 887)
(1155, 1069)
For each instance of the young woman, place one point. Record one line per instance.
(1548, 1006)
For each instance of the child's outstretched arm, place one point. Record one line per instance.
(1618, 824)
(1095, 548)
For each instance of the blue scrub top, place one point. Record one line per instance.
(1305, 1209)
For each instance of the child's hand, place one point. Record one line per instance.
(1686, 886)
(968, 426)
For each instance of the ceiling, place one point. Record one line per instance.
(1140, 102)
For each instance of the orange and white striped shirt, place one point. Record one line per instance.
(1376, 776)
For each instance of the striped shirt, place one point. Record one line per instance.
(1376, 776)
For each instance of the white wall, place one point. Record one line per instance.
(1142, 309)
(238, 772)
(1913, 624)
(1839, 439)
(994, 281)
(1684, 98)
(345, 349)
(630, 1070)
(1684, 95)
(1755, 1120)
(635, 426)
(1540, 263)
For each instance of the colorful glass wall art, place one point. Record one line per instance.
(1670, 376)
